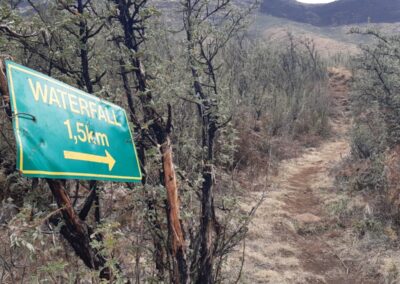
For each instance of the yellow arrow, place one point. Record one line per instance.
(107, 159)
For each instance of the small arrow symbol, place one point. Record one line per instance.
(107, 159)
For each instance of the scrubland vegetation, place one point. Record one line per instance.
(374, 136)
(369, 176)
(213, 107)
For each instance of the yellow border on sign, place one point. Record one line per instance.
(76, 174)
(21, 160)
(14, 102)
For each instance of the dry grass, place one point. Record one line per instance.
(293, 238)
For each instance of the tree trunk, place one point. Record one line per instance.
(77, 232)
(208, 125)
(206, 229)
(160, 132)
(208, 221)
(83, 38)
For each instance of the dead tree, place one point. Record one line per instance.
(132, 21)
(208, 26)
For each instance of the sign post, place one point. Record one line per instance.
(62, 132)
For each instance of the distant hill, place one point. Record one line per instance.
(342, 12)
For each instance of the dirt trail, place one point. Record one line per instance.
(288, 241)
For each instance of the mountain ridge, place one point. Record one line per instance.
(342, 12)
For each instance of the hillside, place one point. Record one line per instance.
(342, 12)
(328, 40)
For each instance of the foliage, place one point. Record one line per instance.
(377, 83)
(295, 105)
(373, 165)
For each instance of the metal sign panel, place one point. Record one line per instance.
(63, 132)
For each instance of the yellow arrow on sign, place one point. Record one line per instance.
(107, 159)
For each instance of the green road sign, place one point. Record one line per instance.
(62, 132)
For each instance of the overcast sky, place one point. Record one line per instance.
(315, 1)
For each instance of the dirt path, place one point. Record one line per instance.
(288, 241)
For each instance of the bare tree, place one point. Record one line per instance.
(132, 16)
(208, 26)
